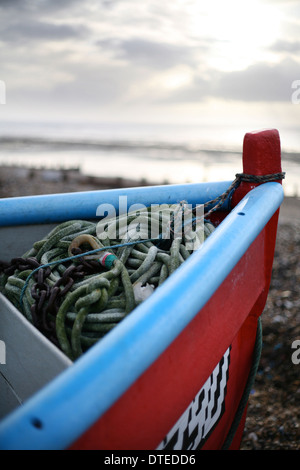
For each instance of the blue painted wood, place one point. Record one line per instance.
(83, 205)
(73, 401)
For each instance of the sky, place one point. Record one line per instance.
(170, 61)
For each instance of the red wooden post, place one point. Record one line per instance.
(261, 156)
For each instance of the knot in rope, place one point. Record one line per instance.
(239, 177)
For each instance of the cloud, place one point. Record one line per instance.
(12, 4)
(121, 53)
(260, 82)
(42, 21)
(144, 52)
(286, 46)
(42, 5)
(40, 30)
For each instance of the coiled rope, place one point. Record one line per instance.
(75, 299)
(75, 286)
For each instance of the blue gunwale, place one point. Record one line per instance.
(56, 208)
(72, 402)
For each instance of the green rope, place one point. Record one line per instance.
(249, 384)
(114, 277)
(74, 257)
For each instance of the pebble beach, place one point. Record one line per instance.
(273, 418)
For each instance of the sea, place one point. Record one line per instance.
(156, 153)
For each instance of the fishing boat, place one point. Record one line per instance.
(175, 373)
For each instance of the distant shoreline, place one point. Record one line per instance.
(111, 144)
